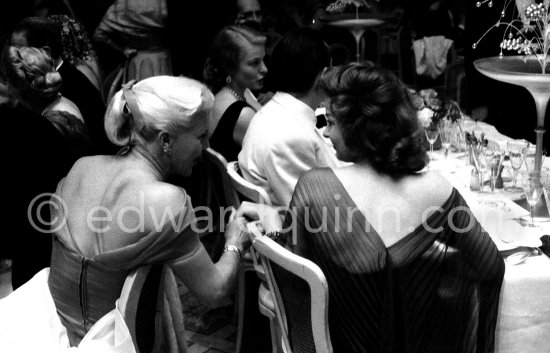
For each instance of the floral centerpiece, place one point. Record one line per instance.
(432, 108)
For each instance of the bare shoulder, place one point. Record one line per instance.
(437, 188)
(163, 196)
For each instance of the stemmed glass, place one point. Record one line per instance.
(482, 163)
(533, 189)
(515, 152)
(529, 155)
(445, 134)
(431, 136)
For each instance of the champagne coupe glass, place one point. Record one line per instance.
(515, 152)
(431, 136)
(533, 189)
(445, 134)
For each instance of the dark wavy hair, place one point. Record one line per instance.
(225, 53)
(41, 32)
(377, 118)
(76, 46)
(297, 59)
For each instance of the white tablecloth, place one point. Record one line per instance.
(524, 310)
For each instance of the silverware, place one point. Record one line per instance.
(522, 255)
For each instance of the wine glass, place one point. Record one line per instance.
(431, 136)
(515, 153)
(533, 189)
(445, 134)
(482, 163)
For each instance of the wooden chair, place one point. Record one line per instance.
(141, 304)
(300, 295)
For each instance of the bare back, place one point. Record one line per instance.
(108, 200)
(394, 208)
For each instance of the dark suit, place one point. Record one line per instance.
(37, 157)
(77, 88)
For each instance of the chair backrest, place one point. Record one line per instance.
(220, 164)
(141, 304)
(245, 190)
(300, 294)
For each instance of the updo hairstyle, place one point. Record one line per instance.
(226, 52)
(31, 71)
(377, 118)
(166, 103)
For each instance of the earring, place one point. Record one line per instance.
(228, 79)
(167, 150)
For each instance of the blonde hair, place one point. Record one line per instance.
(31, 71)
(166, 103)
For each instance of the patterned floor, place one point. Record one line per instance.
(208, 330)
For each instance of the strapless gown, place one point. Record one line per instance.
(77, 296)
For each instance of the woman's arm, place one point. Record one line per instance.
(212, 283)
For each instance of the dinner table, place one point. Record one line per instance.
(523, 324)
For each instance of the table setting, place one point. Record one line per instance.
(473, 168)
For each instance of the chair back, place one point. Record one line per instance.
(220, 165)
(244, 189)
(141, 304)
(300, 295)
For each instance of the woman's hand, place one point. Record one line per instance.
(267, 215)
(237, 233)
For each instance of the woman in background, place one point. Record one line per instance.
(234, 67)
(35, 82)
(77, 49)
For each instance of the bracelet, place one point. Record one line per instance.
(233, 248)
(274, 235)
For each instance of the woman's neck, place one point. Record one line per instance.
(236, 91)
(153, 161)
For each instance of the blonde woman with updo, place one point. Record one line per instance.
(35, 83)
(113, 214)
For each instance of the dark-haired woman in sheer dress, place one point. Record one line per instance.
(409, 268)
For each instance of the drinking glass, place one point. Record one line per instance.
(431, 136)
(445, 134)
(529, 154)
(533, 189)
(494, 161)
(515, 153)
(482, 162)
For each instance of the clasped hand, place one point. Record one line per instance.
(237, 233)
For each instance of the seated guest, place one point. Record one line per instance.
(282, 141)
(35, 166)
(408, 266)
(235, 64)
(161, 122)
(43, 32)
(78, 50)
(35, 82)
